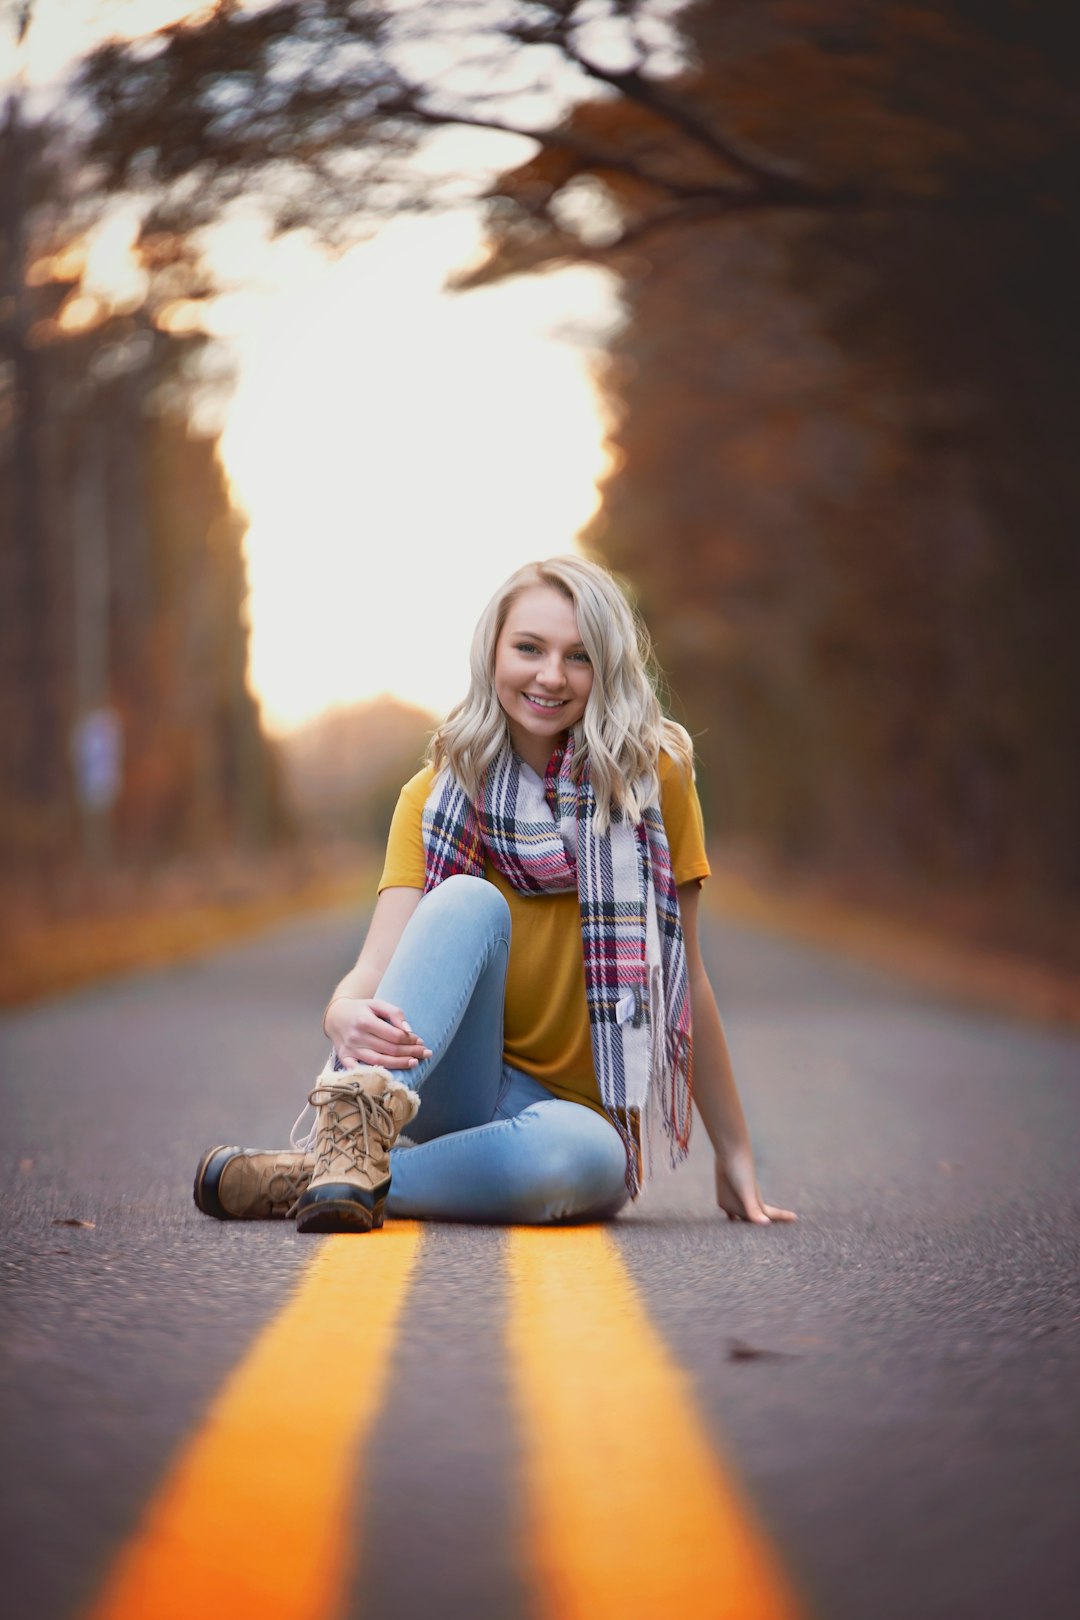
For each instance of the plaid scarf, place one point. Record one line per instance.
(636, 982)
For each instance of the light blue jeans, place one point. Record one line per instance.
(492, 1144)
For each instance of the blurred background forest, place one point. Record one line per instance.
(841, 404)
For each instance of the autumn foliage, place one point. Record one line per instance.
(120, 548)
(844, 474)
(842, 399)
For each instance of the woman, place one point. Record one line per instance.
(532, 966)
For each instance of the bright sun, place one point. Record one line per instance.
(399, 451)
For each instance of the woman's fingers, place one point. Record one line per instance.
(407, 1046)
(371, 1026)
(760, 1214)
(371, 1040)
(398, 1036)
(393, 1015)
(387, 1058)
(375, 1031)
(382, 1060)
(738, 1196)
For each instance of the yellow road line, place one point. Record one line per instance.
(253, 1519)
(630, 1513)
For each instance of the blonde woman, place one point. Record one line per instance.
(524, 998)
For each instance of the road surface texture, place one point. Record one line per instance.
(872, 1415)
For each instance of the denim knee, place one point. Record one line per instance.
(571, 1175)
(481, 899)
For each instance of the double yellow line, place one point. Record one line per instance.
(627, 1509)
(251, 1519)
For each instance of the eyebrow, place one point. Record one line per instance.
(533, 636)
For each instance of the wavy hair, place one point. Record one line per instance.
(623, 729)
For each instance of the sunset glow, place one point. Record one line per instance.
(397, 449)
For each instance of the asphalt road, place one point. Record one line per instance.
(910, 1440)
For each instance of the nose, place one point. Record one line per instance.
(551, 672)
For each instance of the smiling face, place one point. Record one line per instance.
(543, 676)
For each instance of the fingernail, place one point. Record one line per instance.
(412, 1063)
(407, 1028)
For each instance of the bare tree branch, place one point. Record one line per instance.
(632, 84)
(233, 101)
(595, 157)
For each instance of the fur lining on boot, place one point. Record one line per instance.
(373, 1079)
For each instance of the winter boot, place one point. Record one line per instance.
(359, 1114)
(251, 1184)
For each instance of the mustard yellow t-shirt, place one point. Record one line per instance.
(546, 1017)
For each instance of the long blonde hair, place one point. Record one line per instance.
(623, 728)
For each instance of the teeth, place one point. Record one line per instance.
(546, 703)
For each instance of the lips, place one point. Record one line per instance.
(546, 705)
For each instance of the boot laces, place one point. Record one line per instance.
(345, 1129)
(286, 1184)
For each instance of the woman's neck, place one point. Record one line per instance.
(535, 751)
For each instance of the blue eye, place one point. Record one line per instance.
(531, 647)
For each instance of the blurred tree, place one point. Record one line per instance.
(25, 183)
(846, 231)
(316, 112)
(120, 552)
(345, 768)
(844, 465)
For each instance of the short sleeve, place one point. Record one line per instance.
(403, 867)
(683, 821)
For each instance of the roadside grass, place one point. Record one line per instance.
(98, 931)
(956, 946)
(115, 927)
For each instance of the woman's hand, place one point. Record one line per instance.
(366, 1031)
(737, 1192)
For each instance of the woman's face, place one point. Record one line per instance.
(543, 676)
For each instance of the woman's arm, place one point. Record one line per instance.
(364, 1030)
(714, 1087)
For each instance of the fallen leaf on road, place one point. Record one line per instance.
(71, 1220)
(738, 1350)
